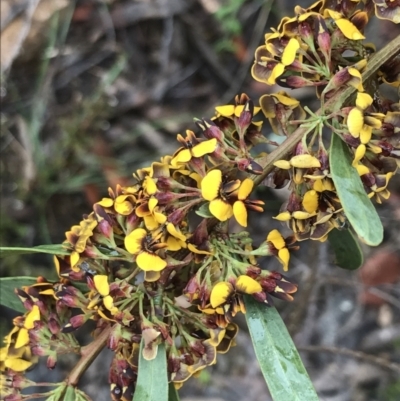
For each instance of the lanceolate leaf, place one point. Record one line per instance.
(348, 253)
(357, 206)
(70, 394)
(172, 393)
(51, 249)
(279, 360)
(7, 294)
(152, 382)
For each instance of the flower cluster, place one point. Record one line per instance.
(309, 50)
(157, 262)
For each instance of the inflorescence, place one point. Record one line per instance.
(157, 261)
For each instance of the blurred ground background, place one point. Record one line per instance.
(92, 90)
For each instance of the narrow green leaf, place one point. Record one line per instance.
(357, 206)
(347, 250)
(279, 360)
(69, 394)
(51, 249)
(7, 294)
(172, 393)
(152, 382)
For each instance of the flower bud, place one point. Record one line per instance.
(324, 39)
(51, 361)
(210, 130)
(245, 117)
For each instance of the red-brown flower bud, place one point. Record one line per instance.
(324, 39)
(260, 297)
(246, 116)
(53, 324)
(51, 361)
(210, 130)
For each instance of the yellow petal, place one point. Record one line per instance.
(123, 207)
(364, 100)
(247, 285)
(108, 302)
(133, 241)
(365, 134)
(16, 364)
(220, 293)
(101, 284)
(226, 111)
(289, 53)
(150, 185)
(284, 216)
(275, 237)
(333, 14)
(204, 148)
(356, 81)
(106, 202)
(359, 154)
(210, 185)
(240, 213)
(319, 185)
(305, 161)
(153, 202)
(373, 122)
(150, 261)
(238, 110)
(277, 71)
(150, 222)
(245, 189)
(310, 201)
(182, 157)
(299, 215)
(355, 121)
(361, 169)
(284, 257)
(173, 244)
(283, 164)
(31, 317)
(221, 210)
(74, 259)
(285, 99)
(349, 30)
(194, 249)
(174, 231)
(22, 338)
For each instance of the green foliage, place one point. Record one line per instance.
(50, 249)
(7, 294)
(279, 360)
(152, 382)
(359, 209)
(348, 254)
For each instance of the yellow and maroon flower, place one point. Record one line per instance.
(230, 198)
(268, 66)
(144, 246)
(192, 147)
(78, 237)
(280, 246)
(348, 29)
(361, 124)
(17, 354)
(280, 108)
